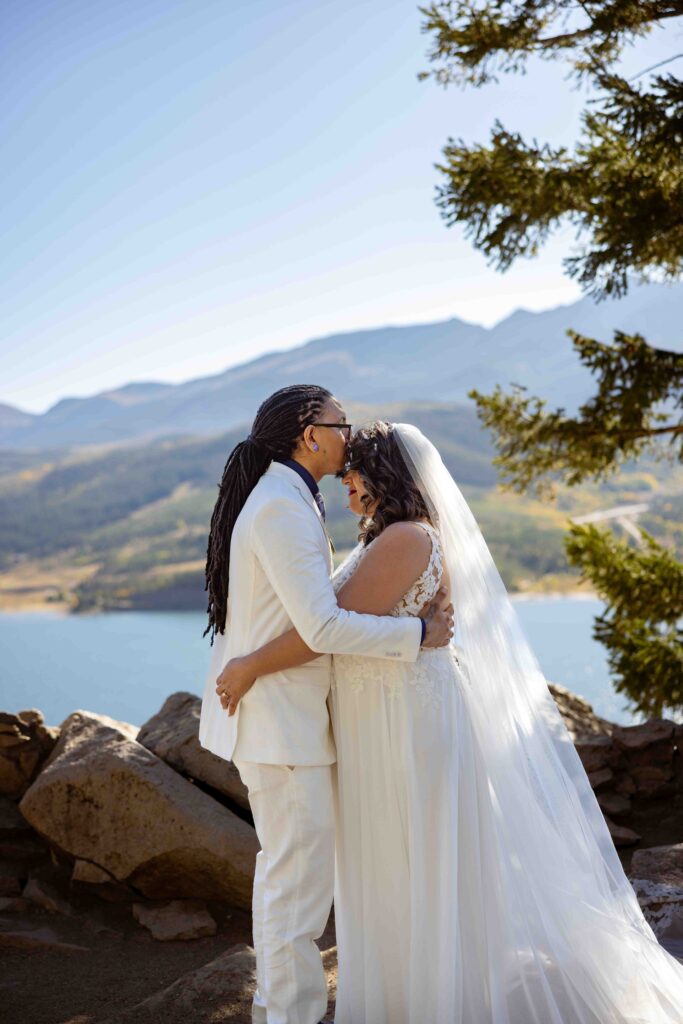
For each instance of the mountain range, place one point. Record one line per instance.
(436, 362)
(126, 526)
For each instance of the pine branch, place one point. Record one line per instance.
(643, 592)
(622, 188)
(474, 40)
(537, 447)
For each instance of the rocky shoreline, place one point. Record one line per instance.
(117, 838)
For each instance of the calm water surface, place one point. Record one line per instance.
(125, 664)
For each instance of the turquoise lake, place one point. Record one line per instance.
(125, 664)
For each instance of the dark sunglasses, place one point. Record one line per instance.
(344, 427)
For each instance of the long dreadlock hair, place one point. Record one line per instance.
(277, 426)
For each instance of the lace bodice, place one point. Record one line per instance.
(422, 590)
(433, 669)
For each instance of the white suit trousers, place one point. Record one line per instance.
(293, 887)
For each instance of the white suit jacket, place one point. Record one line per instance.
(280, 567)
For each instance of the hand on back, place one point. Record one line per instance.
(438, 613)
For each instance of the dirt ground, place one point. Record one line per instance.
(115, 965)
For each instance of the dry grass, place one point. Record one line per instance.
(42, 584)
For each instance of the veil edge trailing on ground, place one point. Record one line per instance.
(562, 860)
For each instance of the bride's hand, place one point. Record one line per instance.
(234, 681)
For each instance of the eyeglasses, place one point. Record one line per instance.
(344, 427)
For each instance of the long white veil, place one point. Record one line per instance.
(555, 858)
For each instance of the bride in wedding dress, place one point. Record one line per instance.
(477, 882)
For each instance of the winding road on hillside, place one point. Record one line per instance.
(624, 515)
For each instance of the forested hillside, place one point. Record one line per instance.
(126, 526)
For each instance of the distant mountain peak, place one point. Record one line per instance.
(440, 361)
(12, 417)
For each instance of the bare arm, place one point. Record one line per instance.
(390, 566)
(291, 557)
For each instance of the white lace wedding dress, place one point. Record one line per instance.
(436, 923)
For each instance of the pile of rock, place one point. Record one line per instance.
(124, 816)
(637, 776)
(88, 807)
(636, 773)
(149, 817)
(21, 852)
(25, 743)
(578, 715)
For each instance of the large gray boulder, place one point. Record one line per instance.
(173, 735)
(103, 797)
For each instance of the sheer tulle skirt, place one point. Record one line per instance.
(441, 911)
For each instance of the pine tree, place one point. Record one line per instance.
(622, 188)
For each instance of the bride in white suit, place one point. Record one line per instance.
(268, 569)
(477, 882)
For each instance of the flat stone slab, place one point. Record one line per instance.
(179, 919)
(659, 864)
(40, 892)
(38, 939)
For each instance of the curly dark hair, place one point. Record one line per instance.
(278, 424)
(375, 453)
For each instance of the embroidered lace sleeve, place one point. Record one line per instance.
(433, 668)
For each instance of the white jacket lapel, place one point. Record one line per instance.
(293, 478)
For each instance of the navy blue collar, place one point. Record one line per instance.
(307, 477)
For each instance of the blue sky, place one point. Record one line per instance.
(188, 185)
